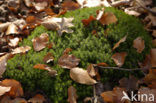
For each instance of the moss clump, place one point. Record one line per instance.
(87, 47)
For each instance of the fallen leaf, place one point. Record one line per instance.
(13, 5)
(72, 96)
(60, 24)
(91, 70)
(154, 42)
(130, 84)
(70, 5)
(153, 57)
(102, 64)
(81, 76)
(108, 18)
(154, 33)
(12, 29)
(68, 61)
(119, 42)
(38, 98)
(86, 22)
(3, 63)
(138, 43)
(18, 100)
(39, 6)
(16, 88)
(22, 49)
(5, 99)
(67, 50)
(119, 58)
(150, 77)
(28, 3)
(14, 42)
(3, 90)
(40, 42)
(4, 26)
(48, 58)
(132, 12)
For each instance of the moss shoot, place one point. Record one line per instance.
(86, 46)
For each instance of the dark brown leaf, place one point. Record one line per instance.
(86, 22)
(72, 96)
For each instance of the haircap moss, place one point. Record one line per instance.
(87, 47)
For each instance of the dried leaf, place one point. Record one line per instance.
(86, 22)
(16, 88)
(48, 58)
(4, 26)
(12, 29)
(67, 50)
(5, 99)
(38, 98)
(22, 49)
(68, 61)
(154, 42)
(151, 76)
(40, 42)
(18, 100)
(28, 3)
(154, 33)
(70, 5)
(14, 42)
(39, 6)
(3, 90)
(119, 58)
(72, 96)
(132, 12)
(108, 18)
(91, 70)
(81, 76)
(120, 41)
(3, 63)
(130, 84)
(153, 57)
(138, 43)
(102, 64)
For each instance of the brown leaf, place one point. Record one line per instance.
(5, 99)
(86, 22)
(4, 89)
(16, 88)
(81, 76)
(119, 58)
(38, 98)
(72, 96)
(102, 64)
(108, 18)
(154, 33)
(40, 42)
(30, 19)
(138, 43)
(22, 49)
(39, 6)
(130, 84)
(108, 96)
(48, 58)
(153, 57)
(154, 42)
(67, 50)
(91, 70)
(3, 63)
(12, 29)
(70, 5)
(151, 76)
(120, 41)
(68, 61)
(18, 100)
(14, 42)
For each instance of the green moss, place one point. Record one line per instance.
(89, 48)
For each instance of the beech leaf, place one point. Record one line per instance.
(138, 43)
(72, 96)
(38, 98)
(81, 76)
(153, 57)
(120, 41)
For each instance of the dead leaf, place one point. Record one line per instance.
(154, 42)
(13, 5)
(120, 41)
(102, 64)
(108, 96)
(22, 49)
(14, 42)
(91, 70)
(39, 6)
(18, 100)
(38, 98)
(150, 77)
(3, 63)
(86, 22)
(72, 96)
(81, 76)
(132, 12)
(60, 24)
(138, 43)
(108, 18)
(5, 99)
(153, 57)
(16, 88)
(40, 42)
(48, 58)
(68, 61)
(154, 33)
(28, 3)
(12, 29)
(70, 5)
(119, 58)
(130, 84)
(3, 90)
(67, 50)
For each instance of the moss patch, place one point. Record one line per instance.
(89, 48)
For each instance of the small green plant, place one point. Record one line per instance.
(86, 46)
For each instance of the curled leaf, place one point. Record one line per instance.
(22, 49)
(12, 29)
(40, 42)
(68, 61)
(72, 96)
(81, 76)
(91, 70)
(48, 58)
(119, 58)
(120, 41)
(3, 90)
(138, 43)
